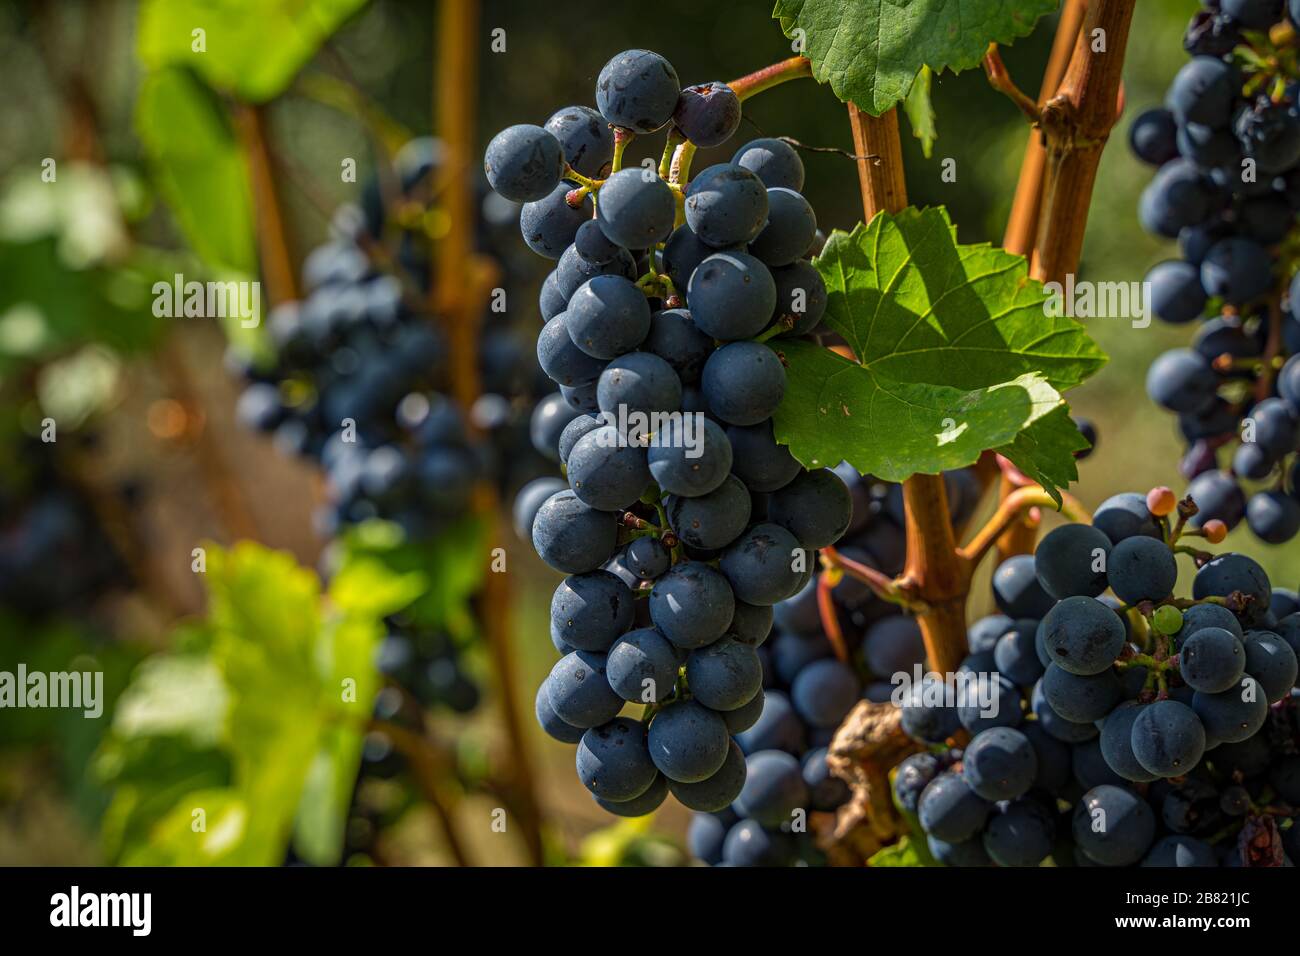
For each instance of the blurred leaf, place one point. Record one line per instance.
(872, 50)
(457, 555)
(954, 353)
(199, 167)
(365, 585)
(222, 836)
(920, 111)
(252, 48)
(47, 306)
(284, 689)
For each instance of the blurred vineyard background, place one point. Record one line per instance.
(145, 406)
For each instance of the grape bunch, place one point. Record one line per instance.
(1120, 728)
(55, 555)
(357, 384)
(1227, 144)
(680, 521)
(360, 371)
(807, 692)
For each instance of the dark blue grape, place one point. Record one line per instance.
(1211, 660)
(724, 675)
(774, 161)
(676, 339)
(523, 163)
(647, 802)
(692, 605)
(1113, 826)
(1017, 591)
(1273, 516)
(589, 611)
(606, 472)
(550, 224)
(614, 761)
(800, 297)
(1151, 136)
(1232, 715)
(575, 430)
(635, 208)
(1177, 197)
(1236, 270)
(530, 500)
(1079, 698)
(1204, 91)
(749, 844)
(713, 520)
(578, 691)
(573, 270)
(758, 460)
(562, 361)
(1068, 731)
(950, 810)
(717, 791)
(647, 558)
(1001, 709)
(638, 382)
(791, 225)
(1071, 561)
(1176, 293)
(726, 205)
(688, 742)
(637, 90)
(1217, 496)
(774, 788)
(1272, 662)
(1123, 516)
(1020, 833)
(571, 536)
(642, 667)
(824, 692)
(585, 137)
(911, 778)
(777, 728)
(593, 245)
(550, 721)
(607, 316)
(1000, 764)
(1168, 738)
(1182, 381)
(707, 113)
(690, 457)
(760, 564)
(731, 296)
(1226, 574)
(1142, 569)
(826, 792)
(743, 383)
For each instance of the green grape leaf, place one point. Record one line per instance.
(902, 853)
(199, 167)
(871, 50)
(920, 111)
(1045, 450)
(251, 48)
(954, 354)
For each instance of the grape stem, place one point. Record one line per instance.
(1077, 122)
(826, 611)
(1009, 511)
(769, 76)
(881, 584)
(1000, 80)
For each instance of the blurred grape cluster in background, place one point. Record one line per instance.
(235, 585)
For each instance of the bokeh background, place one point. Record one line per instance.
(146, 405)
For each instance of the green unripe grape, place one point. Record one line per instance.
(1167, 619)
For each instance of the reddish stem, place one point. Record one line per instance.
(830, 620)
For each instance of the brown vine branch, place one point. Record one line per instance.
(1077, 122)
(933, 574)
(1022, 226)
(462, 283)
(428, 768)
(829, 618)
(272, 240)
